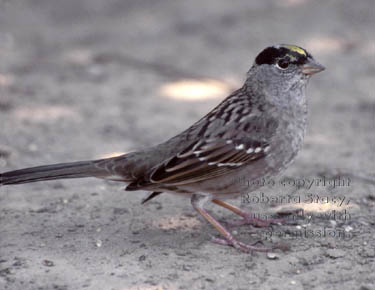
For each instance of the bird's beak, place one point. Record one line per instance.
(312, 67)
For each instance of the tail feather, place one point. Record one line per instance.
(54, 171)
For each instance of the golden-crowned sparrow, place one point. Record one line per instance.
(255, 132)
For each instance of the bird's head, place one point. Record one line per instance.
(283, 66)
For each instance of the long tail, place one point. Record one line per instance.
(93, 168)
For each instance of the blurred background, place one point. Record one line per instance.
(108, 76)
(94, 78)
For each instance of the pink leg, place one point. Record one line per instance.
(198, 201)
(248, 218)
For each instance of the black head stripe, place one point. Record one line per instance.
(268, 56)
(272, 54)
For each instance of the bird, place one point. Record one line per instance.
(255, 132)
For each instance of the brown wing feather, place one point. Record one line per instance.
(207, 160)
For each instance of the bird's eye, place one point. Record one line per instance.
(282, 63)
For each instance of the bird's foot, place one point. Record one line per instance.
(249, 219)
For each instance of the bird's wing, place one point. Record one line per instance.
(204, 159)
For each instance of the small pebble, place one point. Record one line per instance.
(98, 243)
(272, 256)
(348, 229)
(48, 263)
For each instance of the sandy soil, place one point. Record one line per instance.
(85, 79)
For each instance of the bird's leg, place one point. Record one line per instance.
(247, 218)
(197, 202)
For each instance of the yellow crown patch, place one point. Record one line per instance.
(296, 49)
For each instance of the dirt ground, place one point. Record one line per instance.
(85, 79)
